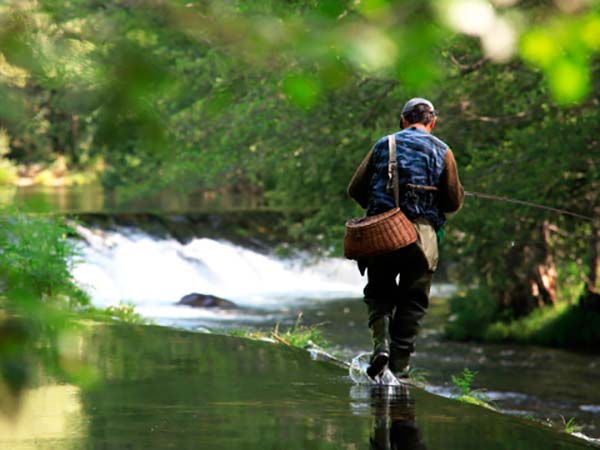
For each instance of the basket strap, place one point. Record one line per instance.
(393, 169)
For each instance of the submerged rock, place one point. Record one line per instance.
(197, 300)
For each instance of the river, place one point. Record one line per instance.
(153, 274)
(125, 262)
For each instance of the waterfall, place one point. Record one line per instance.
(153, 274)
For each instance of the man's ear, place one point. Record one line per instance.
(432, 124)
(403, 122)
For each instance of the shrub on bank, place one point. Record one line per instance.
(565, 325)
(39, 301)
(34, 262)
(471, 312)
(475, 315)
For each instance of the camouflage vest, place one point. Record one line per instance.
(420, 162)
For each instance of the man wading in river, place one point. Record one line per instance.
(429, 188)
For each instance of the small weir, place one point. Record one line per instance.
(154, 273)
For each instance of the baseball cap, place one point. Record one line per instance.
(409, 105)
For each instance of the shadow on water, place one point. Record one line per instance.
(161, 388)
(393, 422)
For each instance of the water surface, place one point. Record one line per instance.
(160, 388)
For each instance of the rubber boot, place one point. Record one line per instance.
(381, 346)
(399, 362)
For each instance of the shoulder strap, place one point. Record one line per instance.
(393, 169)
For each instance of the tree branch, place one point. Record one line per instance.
(465, 69)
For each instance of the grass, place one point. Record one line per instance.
(475, 315)
(418, 376)
(123, 312)
(570, 426)
(462, 383)
(299, 335)
(564, 325)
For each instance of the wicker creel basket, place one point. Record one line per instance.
(375, 235)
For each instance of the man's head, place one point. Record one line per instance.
(418, 111)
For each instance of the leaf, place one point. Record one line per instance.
(303, 90)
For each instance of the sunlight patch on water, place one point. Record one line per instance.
(44, 413)
(595, 409)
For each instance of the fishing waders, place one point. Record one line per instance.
(397, 298)
(381, 346)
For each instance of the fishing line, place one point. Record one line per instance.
(529, 204)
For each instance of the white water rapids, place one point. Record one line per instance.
(133, 267)
(153, 274)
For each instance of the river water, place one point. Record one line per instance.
(152, 274)
(161, 388)
(127, 263)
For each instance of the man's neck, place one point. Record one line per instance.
(420, 126)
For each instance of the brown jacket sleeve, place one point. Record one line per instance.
(358, 189)
(451, 191)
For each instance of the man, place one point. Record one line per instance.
(429, 188)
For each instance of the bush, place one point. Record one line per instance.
(36, 293)
(34, 260)
(564, 325)
(471, 312)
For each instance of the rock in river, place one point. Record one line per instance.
(205, 301)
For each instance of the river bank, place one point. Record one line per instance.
(474, 316)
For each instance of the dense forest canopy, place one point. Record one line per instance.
(282, 100)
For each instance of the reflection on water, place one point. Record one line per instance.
(523, 380)
(43, 416)
(161, 388)
(393, 424)
(92, 198)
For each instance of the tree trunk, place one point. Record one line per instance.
(595, 251)
(533, 273)
(74, 122)
(544, 273)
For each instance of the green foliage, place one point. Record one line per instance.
(567, 326)
(570, 426)
(123, 312)
(521, 147)
(471, 313)
(475, 315)
(8, 171)
(36, 290)
(40, 306)
(281, 100)
(463, 381)
(418, 376)
(208, 94)
(299, 335)
(34, 263)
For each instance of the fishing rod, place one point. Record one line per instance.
(525, 203)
